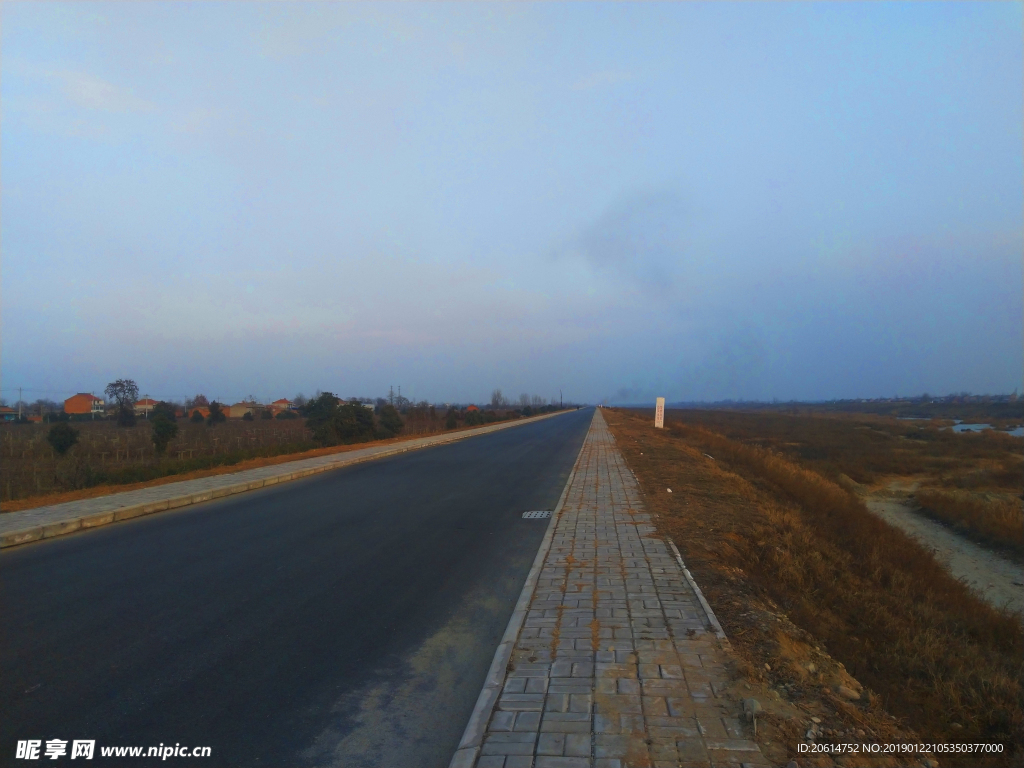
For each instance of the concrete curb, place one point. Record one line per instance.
(712, 619)
(472, 738)
(107, 517)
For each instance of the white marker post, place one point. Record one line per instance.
(659, 413)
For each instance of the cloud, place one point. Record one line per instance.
(640, 238)
(91, 92)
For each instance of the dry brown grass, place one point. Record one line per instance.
(869, 448)
(758, 527)
(284, 452)
(874, 450)
(997, 521)
(103, 490)
(110, 455)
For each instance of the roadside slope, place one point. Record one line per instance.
(999, 580)
(818, 595)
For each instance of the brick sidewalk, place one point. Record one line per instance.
(617, 663)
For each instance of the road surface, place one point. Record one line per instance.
(344, 620)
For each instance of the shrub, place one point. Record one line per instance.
(62, 436)
(197, 417)
(165, 411)
(353, 423)
(287, 415)
(266, 414)
(216, 414)
(333, 421)
(390, 422)
(320, 414)
(247, 416)
(164, 430)
(451, 422)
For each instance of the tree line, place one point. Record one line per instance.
(330, 419)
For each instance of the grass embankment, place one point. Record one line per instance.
(758, 528)
(971, 481)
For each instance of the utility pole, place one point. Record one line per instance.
(19, 403)
(560, 398)
(391, 394)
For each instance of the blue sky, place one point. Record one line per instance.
(700, 201)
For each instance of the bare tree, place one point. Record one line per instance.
(524, 400)
(43, 406)
(125, 393)
(498, 400)
(199, 401)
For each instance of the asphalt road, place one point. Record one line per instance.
(348, 619)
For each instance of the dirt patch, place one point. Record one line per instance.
(998, 580)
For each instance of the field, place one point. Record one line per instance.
(816, 592)
(972, 481)
(108, 455)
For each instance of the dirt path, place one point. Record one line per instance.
(999, 581)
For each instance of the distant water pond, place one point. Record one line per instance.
(961, 427)
(1018, 432)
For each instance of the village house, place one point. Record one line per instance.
(83, 403)
(238, 410)
(7, 413)
(284, 404)
(144, 406)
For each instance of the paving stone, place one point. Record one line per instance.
(527, 721)
(502, 721)
(627, 672)
(551, 744)
(562, 762)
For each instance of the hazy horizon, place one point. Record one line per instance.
(801, 201)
